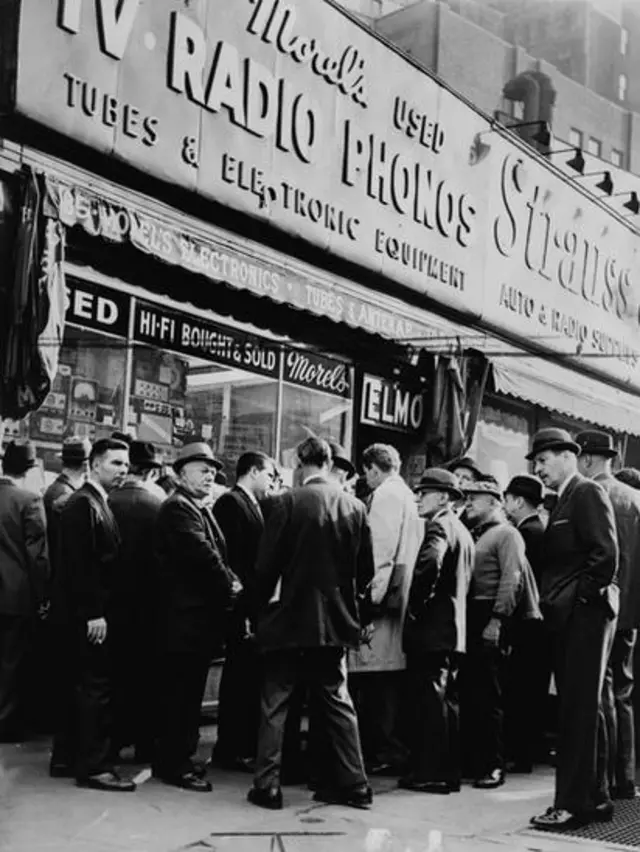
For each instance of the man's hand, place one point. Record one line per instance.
(491, 633)
(236, 588)
(43, 610)
(97, 631)
(366, 635)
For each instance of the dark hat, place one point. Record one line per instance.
(552, 439)
(526, 486)
(596, 443)
(340, 458)
(143, 454)
(19, 457)
(439, 479)
(75, 450)
(197, 451)
(487, 485)
(465, 462)
(122, 436)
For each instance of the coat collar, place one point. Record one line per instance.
(252, 503)
(567, 491)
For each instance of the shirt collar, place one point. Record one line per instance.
(96, 485)
(562, 487)
(249, 494)
(319, 477)
(525, 519)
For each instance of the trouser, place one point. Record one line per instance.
(528, 674)
(64, 646)
(618, 712)
(481, 698)
(239, 701)
(435, 734)
(184, 681)
(377, 697)
(135, 679)
(92, 694)
(581, 652)
(325, 673)
(14, 640)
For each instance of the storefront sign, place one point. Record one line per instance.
(97, 308)
(560, 271)
(286, 110)
(316, 372)
(387, 404)
(194, 336)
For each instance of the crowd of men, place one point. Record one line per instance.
(418, 629)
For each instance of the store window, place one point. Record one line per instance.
(622, 87)
(501, 442)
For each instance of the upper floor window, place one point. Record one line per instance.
(622, 87)
(594, 146)
(624, 41)
(617, 157)
(575, 138)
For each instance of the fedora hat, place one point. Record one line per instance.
(340, 458)
(468, 464)
(596, 443)
(75, 450)
(143, 454)
(487, 485)
(197, 451)
(552, 439)
(439, 479)
(19, 457)
(527, 486)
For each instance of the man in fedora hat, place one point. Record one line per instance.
(595, 462)
(499, 566)
(75, 465)
(579, 600)
(24, 571)
(198, 588)
(529, 664)
(435, 635)
(134, 603)
(466, 471)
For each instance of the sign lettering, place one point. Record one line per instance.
(97, 308)
(317, 372)
(387, 404)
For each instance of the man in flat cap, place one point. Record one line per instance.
(435, 635)
(198, 588)
(135, 605)
(595, 462)
(579, 599)
(499, 566)
(529, 664)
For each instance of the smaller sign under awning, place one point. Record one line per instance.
(566, 391)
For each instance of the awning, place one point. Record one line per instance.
(566, 391)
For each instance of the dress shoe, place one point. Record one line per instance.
(269, 798)
(490, 781)
(107, 781)
(352, 797)
(61, 770)
(628, 791)
(602, 812)
(188, 781)
(418, 786)
(519, 767)
(557, 819)
(199, 768)
(381, 767)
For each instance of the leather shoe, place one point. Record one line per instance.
(417, 786)
(628, 791)
(352, 797)
(61, 770)
(269, 798)
(490, 781)
(107, 781)
(602, 812)
(188, 781)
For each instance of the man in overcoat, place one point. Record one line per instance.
(314, 569)
(198, 588)
(24, 572)
(579, 600)
(75, 465)
(435, 636)
(239, 514)
(595, 462)
(82, 607)
(134, 632)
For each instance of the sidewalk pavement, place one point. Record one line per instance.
(40, 814)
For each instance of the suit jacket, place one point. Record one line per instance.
(532, 531)
(87, 551)
(196, 578)
(626, 509)
(24, 564)
(436, 615)
(314, 562)
(136, 570)
(242, 525)
(581, 553)
(55, 498)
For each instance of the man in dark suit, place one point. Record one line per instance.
(75, 461)
(579, 600)
(197, 588)
(595, 462)
(435, 636)
(314, 561)
(134, 623)
(240, 517)
(82, 609)
(529, 664)
(24, 571)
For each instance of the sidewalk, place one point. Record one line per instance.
(38, 813)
